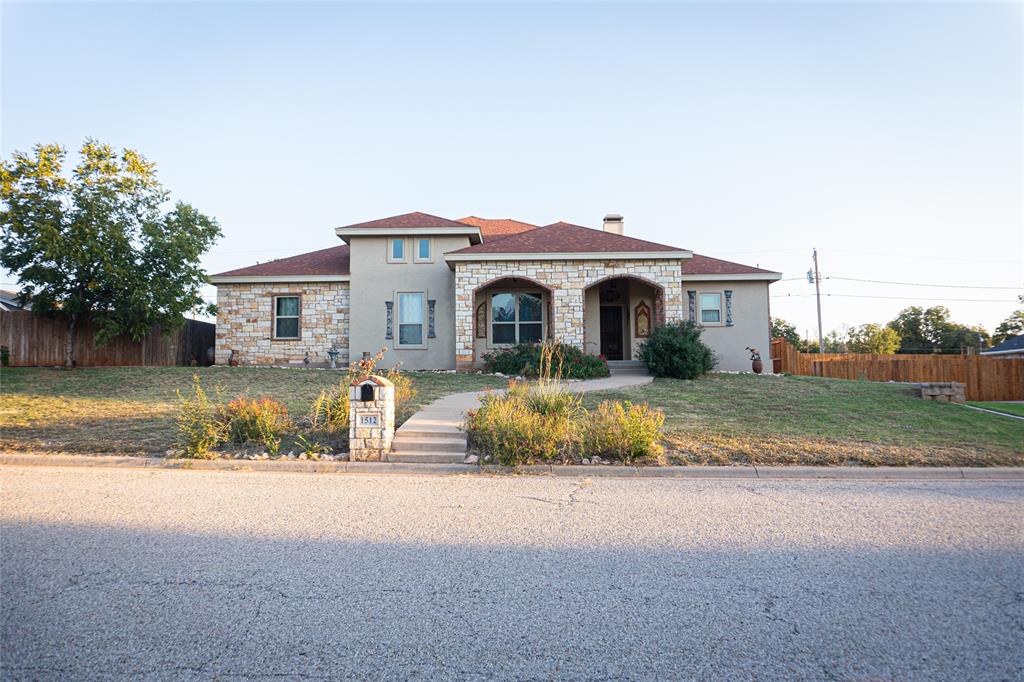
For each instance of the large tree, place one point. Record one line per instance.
(98, 244)
(930, 330)
(873, 338)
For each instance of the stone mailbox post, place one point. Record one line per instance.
(371, 419)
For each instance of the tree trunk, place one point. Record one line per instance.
(69, 349)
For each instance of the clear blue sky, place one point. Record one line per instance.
(887, 135)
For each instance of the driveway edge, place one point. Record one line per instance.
(610, 471)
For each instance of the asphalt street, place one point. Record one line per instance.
(161, 574)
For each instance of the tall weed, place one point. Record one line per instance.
(199, 426)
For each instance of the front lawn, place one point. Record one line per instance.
(130, 410)
(749, 419)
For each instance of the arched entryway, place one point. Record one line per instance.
(619, 313)
(511, 310)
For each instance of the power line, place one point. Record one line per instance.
(902, 298)
(918, 284)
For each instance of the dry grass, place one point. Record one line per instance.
(747, 419)
(130, 410)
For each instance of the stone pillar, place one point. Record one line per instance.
(464, 310)
(371, 419)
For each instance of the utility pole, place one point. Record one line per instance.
(817, 289)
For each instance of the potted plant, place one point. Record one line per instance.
(233, 359)
(755, 360)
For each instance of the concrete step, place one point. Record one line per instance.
(427, 457)
(406, 444)
(628, 371)
(426, 431)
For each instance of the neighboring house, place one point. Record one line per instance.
(9, 301)
(1012, 347)
(440, 293)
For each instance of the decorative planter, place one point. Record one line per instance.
(757, 366)
(233, 360)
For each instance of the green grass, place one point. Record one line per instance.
(740, 418)
(1008, 408)
(130, 410)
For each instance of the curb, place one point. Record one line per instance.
(610, 471)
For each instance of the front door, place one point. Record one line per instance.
(611, 332)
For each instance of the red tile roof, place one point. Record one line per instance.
(406, 220)
(706, 265)
(332, 261)
(565, 238)
(493, 228)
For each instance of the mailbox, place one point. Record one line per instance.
(366, 392)
(371, 418)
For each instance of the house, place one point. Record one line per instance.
(9, 301)
(1012, 347)
(439, 293)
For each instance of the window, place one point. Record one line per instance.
(423, 250)
(516, 318)
(286, 317)
(711, 308)
(396, 251)
(410, 318)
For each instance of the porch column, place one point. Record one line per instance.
(567, 311)
(465, 283)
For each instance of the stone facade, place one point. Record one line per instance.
(245, 319)
(371, 426)
(568, 281)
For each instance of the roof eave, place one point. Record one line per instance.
(470, 231)
(681, 254)
(1001, 352)
(256, 279)
(749, 276)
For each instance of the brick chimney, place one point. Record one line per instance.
(613, 223)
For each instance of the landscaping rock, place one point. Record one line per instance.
(586, 460)
(471, 459)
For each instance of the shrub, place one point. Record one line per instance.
(524, 426)
(404, 390)
(199, 429)
(329, 412)
(262, 420)
(525, 359)
(675, 350)
(624, 431)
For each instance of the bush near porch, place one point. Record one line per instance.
(525, 359)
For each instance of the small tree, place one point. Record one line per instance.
(97, 244)
(784, 330)
(874, 339)
(1011, 326)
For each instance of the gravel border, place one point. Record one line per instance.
(610, 471)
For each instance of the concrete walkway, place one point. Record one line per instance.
(443, 417)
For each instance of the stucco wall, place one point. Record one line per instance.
(750, 323)
(375, 281)
(569, 279)
(245, 322)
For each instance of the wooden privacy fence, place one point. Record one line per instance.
(39, 341)
(985, 378)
